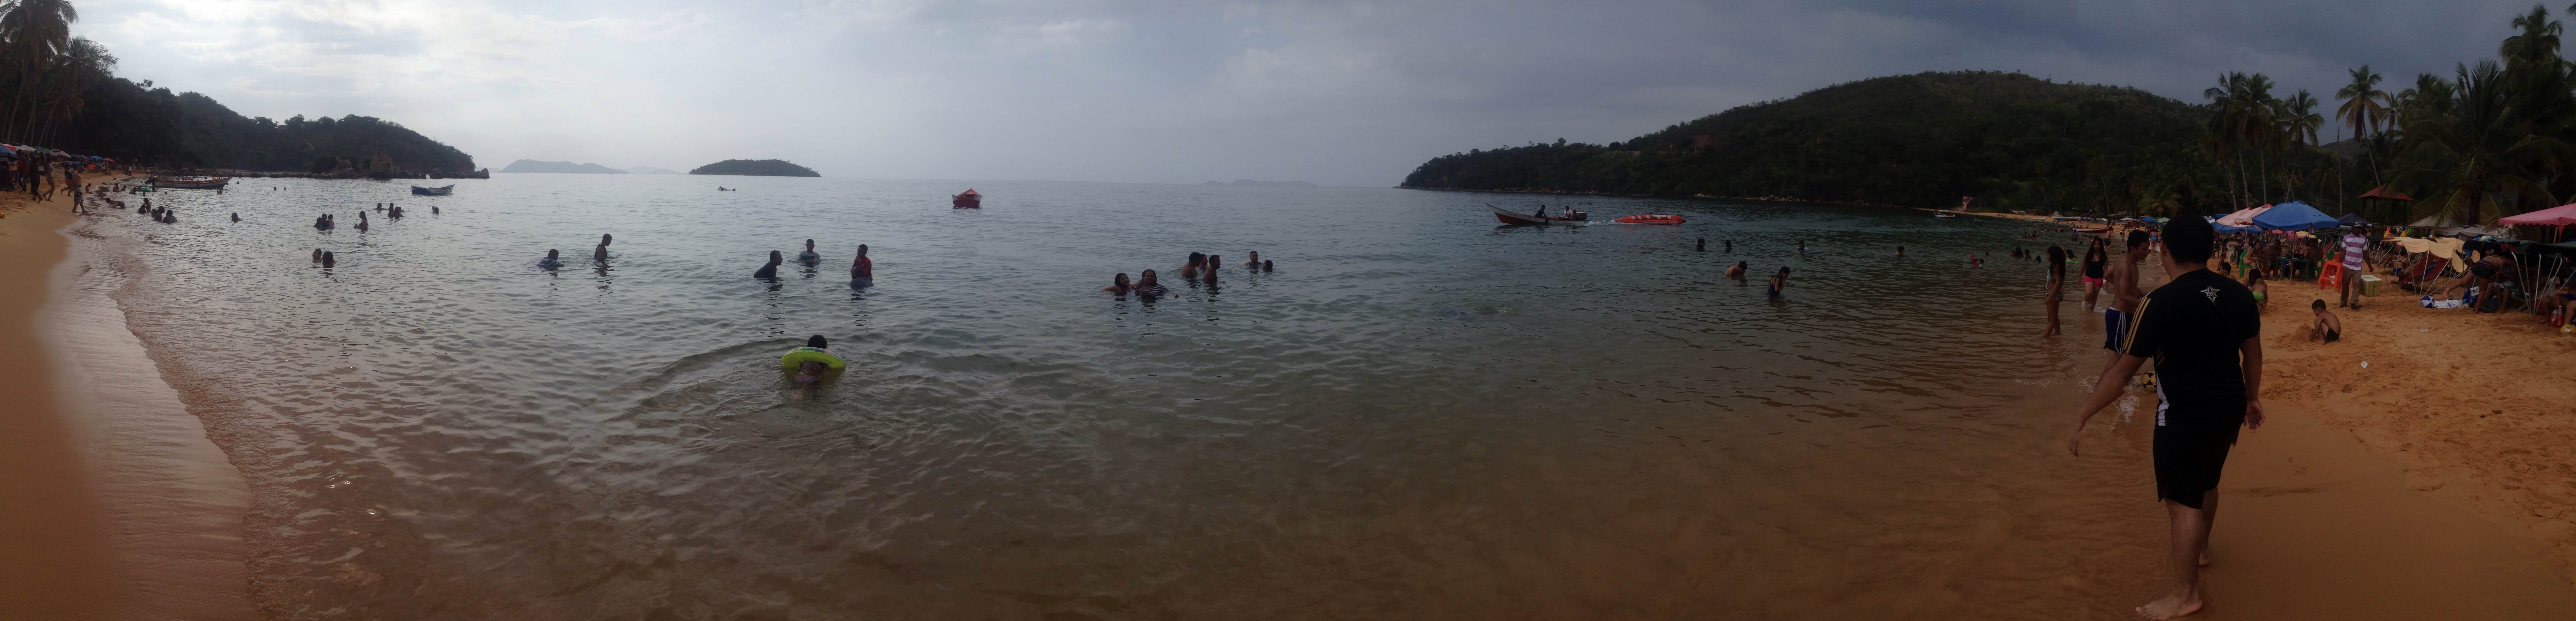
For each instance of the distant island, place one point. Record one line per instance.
(650, 170)
(1265, 184)
(533, 166)
(763, 168)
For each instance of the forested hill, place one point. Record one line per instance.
(1920, 140)
(135, 122)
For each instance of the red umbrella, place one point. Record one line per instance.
(2561, 215)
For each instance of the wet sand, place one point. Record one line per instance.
(129, 511)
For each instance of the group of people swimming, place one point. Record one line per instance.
(1201, 267)
(862, 269)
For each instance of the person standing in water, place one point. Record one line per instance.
(809, 256)
(863, 272)
(1779, 281)
(1736, 272)
(1703, 244)
(1255, 261)
(1192, 269)
(770, 270)
(1147, 287)
(2123, 283)
(1730, 246)
(2056, 287)
(2095, 258)
(2205, 336)
(600, 252)
(236, 216)
(330, 260)
(1208, 274)
(554, 259)
(1802, 245)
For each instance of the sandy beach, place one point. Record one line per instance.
(135, 515)
(2432, 483)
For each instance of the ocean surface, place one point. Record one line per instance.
(1419, 413)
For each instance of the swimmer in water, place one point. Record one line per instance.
(811, 371)
(1209, 274)
(1255, 261)
(1265, 265)
(1779, 281)
(236, 216)
(1730, 245)
(362, 220)
(809, 256)
(1900, 251)
(770, 270)
(1802, 245)
(317, 255)
(328, 260)
(433, 210)
(1736, 271)
(1148, 287)
(554, 259)
(600, 252)
(380, 206)
(863, 271)
(1192, 270)
(1119, 286)
(1703, 244)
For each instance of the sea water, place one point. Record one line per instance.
(1418, 413)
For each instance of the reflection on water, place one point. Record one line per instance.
(1417, 414)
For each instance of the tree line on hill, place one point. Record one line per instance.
(60, 91)
(2490, 140)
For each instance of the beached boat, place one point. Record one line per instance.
(1511, 217)
(1650, 218)
(437, 191)
(967, 200)
(197, 183)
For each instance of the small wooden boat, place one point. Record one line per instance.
(437, 191)
(1650, 218)
(967, 200)
(1511, 217)
(196, 183)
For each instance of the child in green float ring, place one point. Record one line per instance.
(809, 362)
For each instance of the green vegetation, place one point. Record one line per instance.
(2491, 140)
(60, 91)
(2013, 141)
(764, 168)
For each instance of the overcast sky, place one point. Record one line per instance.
(1338, 93)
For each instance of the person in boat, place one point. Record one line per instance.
(1120, 286)
(809, 256)
(1779, 281)
(1147, 287)
(1255, 261)
(1209, 273)
(1542, 212)
(600, 252)
(330, 260)
(554, 259)
(1190, 271)
(770, 270)
(1737, 271)
(863, 271)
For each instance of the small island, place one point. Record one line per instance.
(763, 168)
(1264, 184)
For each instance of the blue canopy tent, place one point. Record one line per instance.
(2352, 219)
(2294, 216)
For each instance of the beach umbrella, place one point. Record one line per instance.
(2293, 216)
(2561, 215)
(2353, 219)
(2243, 217)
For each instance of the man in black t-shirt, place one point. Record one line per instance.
(2203, 332)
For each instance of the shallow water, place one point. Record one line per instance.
(1419, 413)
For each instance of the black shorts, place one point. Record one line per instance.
(2188, 460)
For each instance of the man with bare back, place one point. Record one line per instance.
(2122, 281)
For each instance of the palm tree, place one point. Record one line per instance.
(2474, 160)
(2364, 108)
(2299, 122)
(32, 33)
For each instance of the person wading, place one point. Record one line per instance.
(2206, 337)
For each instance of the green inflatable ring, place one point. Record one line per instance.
(801, 355)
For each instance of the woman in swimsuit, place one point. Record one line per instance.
(1119, 287)
(1779, 281)
(2094, 258)
(2254, 282)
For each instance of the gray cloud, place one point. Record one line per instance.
(1333, 92)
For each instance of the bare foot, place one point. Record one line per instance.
(2170, 607)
